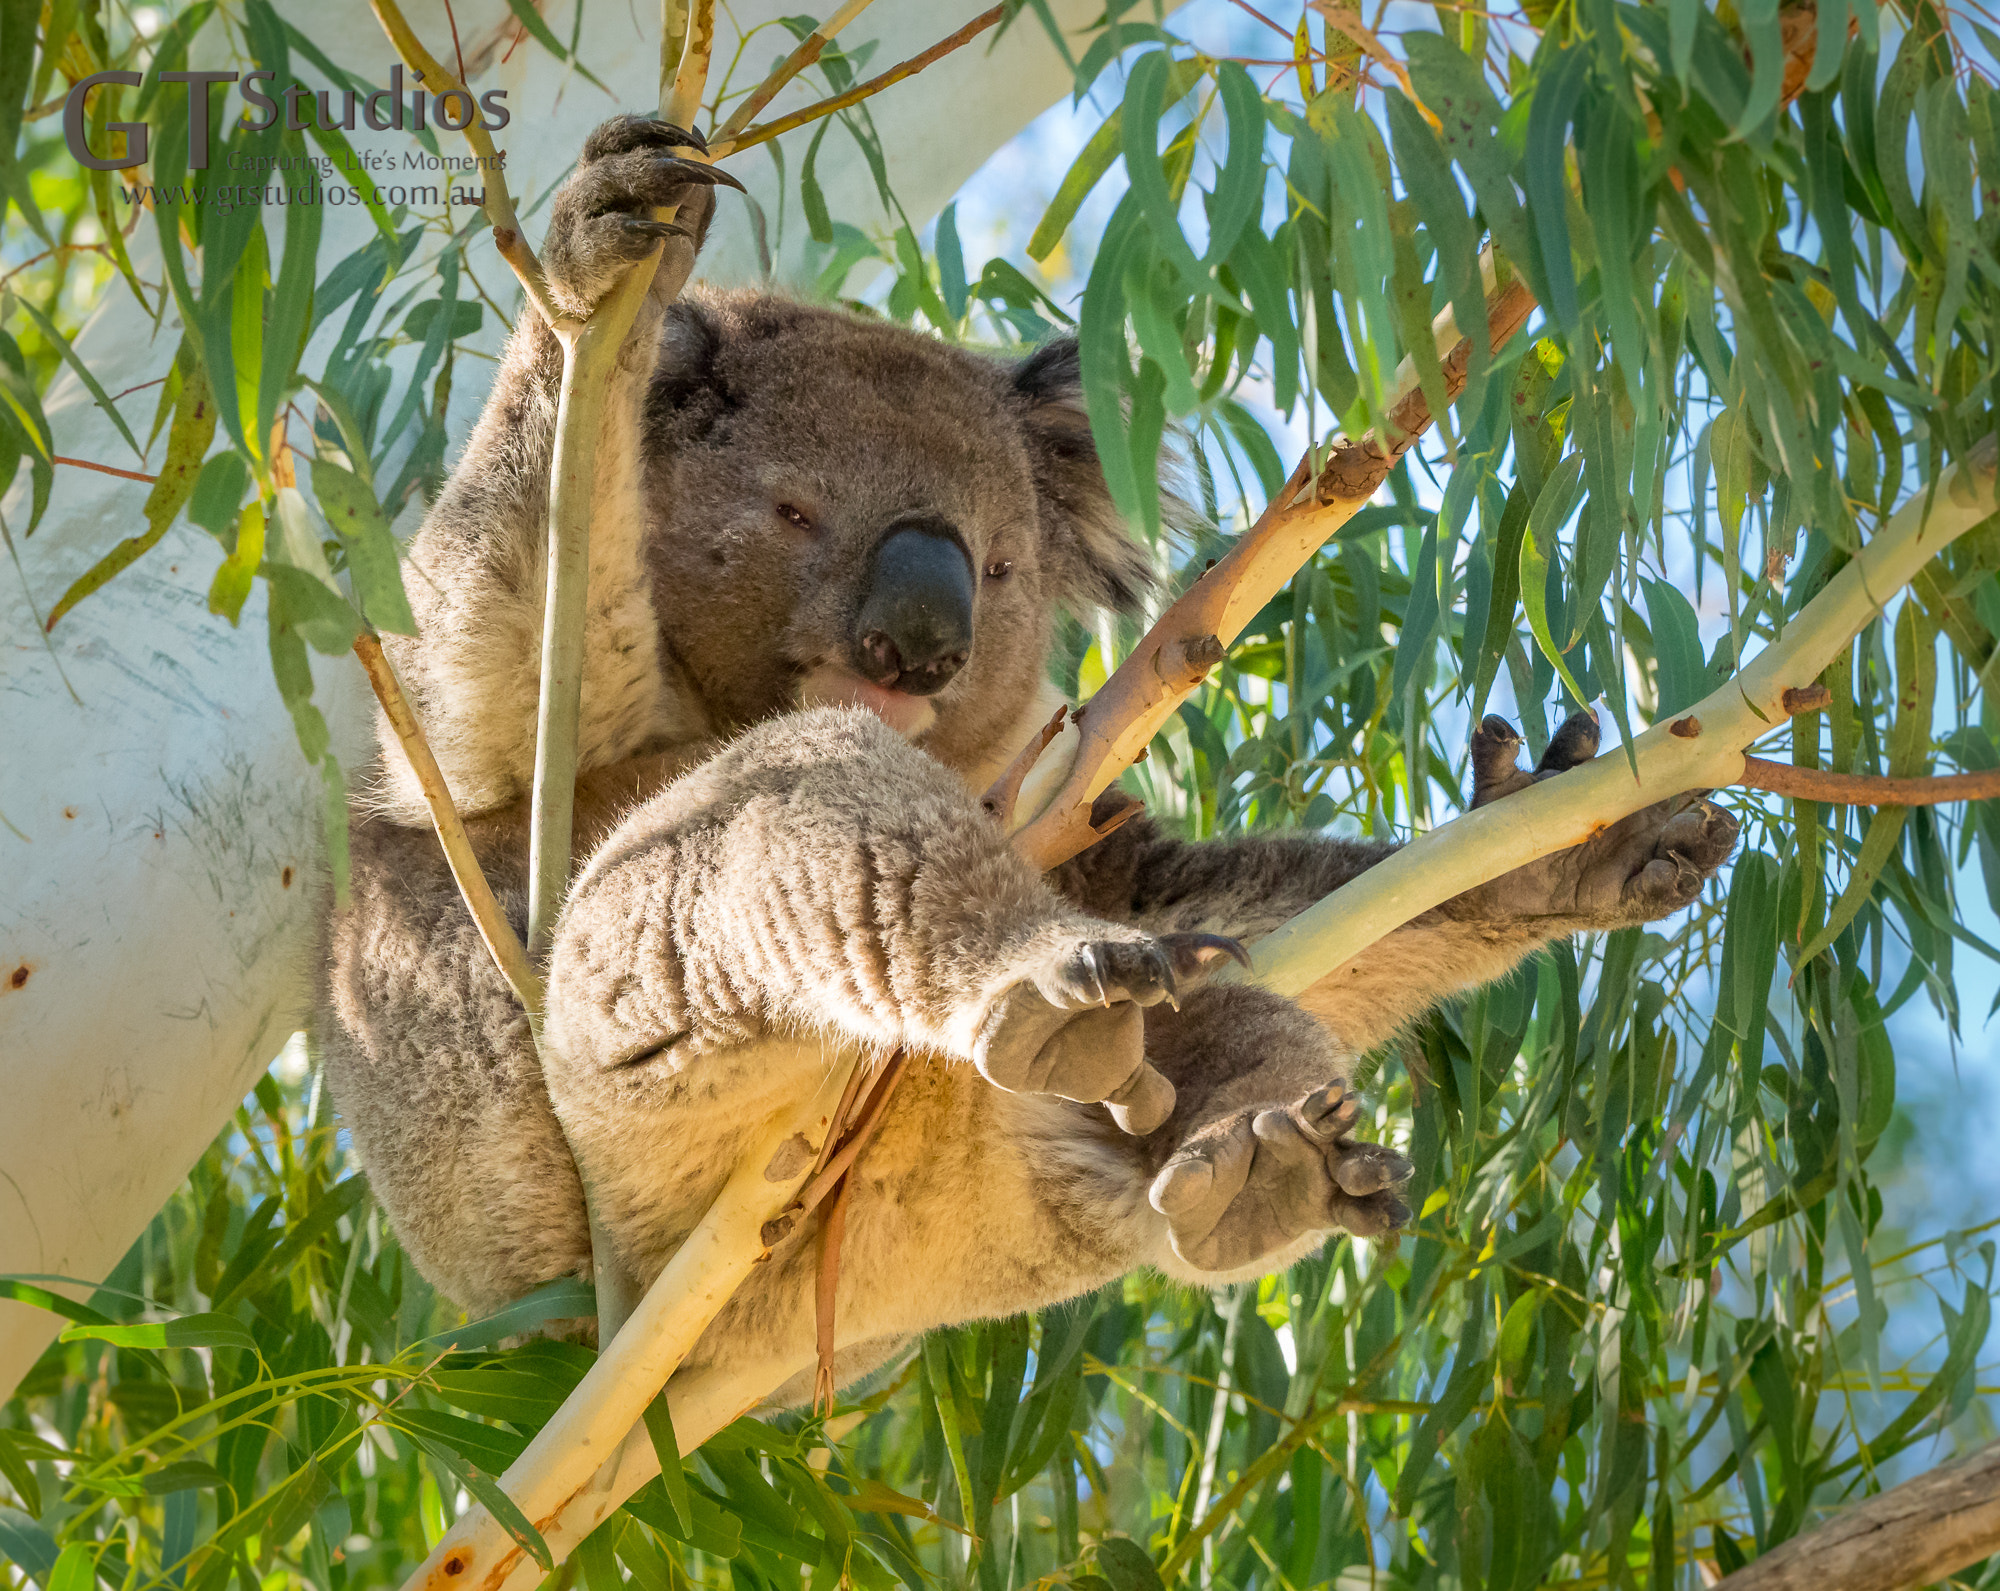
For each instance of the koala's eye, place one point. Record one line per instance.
(999, 569)
(796, 517)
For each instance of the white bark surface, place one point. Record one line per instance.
(158, 860)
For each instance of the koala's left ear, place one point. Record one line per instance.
(1088, 549)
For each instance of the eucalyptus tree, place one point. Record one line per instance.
(1640, 1330)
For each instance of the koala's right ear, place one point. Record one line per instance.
(1087, 546)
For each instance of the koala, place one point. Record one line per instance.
(827, 559)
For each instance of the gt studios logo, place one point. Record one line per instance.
(452, 110)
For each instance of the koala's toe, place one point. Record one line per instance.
(1197, 1187)
(1143, 1103)
(1376, 1215)
(1327, 1113)
(1363, 1169)
(1182, 1186)
(1663, 885)
(1292, 1150)
(1572, 745)
(1495, 752)
(1706, 839)
(1092, 1055)
(1029, 1045)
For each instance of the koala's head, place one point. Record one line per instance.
(847, 511)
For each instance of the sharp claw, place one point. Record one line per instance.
(1095, 968)
(639, 226)
(1194, 954)
(700, 171)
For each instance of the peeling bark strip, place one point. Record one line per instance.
(1910, 1535)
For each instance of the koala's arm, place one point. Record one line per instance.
(476, 569)
(821, 875)
(1638, 870)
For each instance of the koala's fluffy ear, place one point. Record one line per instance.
(1088, 549)
(689, 394)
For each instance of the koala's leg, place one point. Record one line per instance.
(478, 565)
(1258, 1162)
(1638, 870)
(822, 875)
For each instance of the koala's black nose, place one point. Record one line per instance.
(914, 631)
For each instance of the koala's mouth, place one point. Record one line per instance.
(830, 685)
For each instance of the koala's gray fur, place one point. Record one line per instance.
(758, 877)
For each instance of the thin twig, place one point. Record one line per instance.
(1864, 789)
(499, 204)
(874, 85)
(502, 943)
(809, 50)
(102, 469)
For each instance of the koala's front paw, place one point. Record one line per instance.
(1253, 1183)
(1073, 1025)
(1641, 868)
(602, 220)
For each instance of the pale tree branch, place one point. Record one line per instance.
(594, 1453)
(1555, 814)
(1190, 638)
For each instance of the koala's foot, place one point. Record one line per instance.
(1073, 1025)
(602, 221)
(1253, 1183)
(1638, 870)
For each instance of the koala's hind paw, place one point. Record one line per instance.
(1256, 1182)
(1638, 870)
(1073, 1026)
